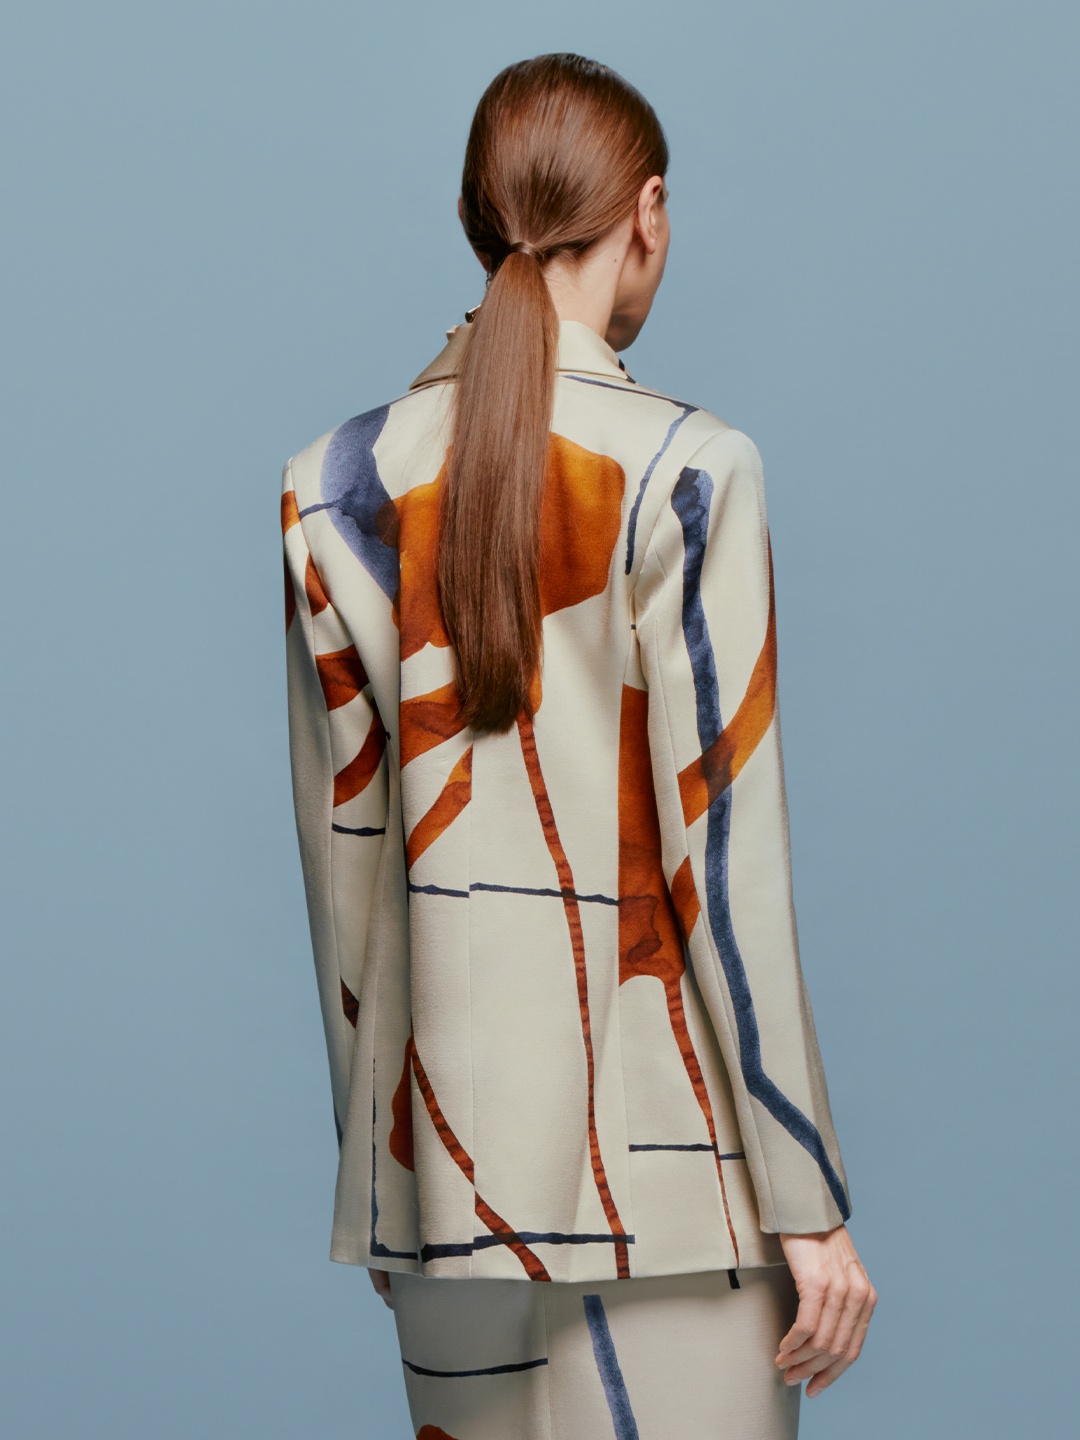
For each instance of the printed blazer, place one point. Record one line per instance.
(569, 1037)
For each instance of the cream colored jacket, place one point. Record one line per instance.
(569, 1037)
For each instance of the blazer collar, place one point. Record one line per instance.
(580, 350)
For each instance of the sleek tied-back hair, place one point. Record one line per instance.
(559, 150)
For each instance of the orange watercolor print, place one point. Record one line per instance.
(317, 596)
(649, 938)
(709, 776)
(533, 1267)
(358, 773)
(579, 524)
(580, 520)
(341, 675)
(401, 1133)
(290, 515)
(451, 801)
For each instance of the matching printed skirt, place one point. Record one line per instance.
(674, 1357)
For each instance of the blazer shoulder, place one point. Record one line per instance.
(301, 471)
(349, 445)
(702, 432)
(711, 450)
(723, 447)
(708, 443)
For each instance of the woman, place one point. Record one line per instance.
(540, 802)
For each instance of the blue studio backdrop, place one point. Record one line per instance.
(230, 226)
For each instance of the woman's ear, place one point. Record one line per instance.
(647, 222)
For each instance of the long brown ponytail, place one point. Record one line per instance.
(557, 155)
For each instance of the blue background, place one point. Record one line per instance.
(229, 226)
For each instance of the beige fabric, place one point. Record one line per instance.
(567, 1027)
(684, 1356)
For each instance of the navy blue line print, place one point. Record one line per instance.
(556, 894)
(375, 1247)
(313, 509)
(513, 890)
(528, 1237)
(631, 528)
(733, 1280)
(607, 1362)
(607, 385)
(631, 525)
(363, 830)
(691, 499)
(357, 499)
(709, 1150)
(464, 1374)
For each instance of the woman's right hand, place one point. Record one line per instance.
(381, 1280)
(836, 1301)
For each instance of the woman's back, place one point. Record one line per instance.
(558, 967)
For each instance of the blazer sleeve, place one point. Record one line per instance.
(707, 636)
(337, 747)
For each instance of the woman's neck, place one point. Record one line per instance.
(585, 290)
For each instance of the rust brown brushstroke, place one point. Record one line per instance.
(684, 897)
(415, 531)
(357, 774)
(452, 800)
(290, 515)
(401, 1132)
(677, 1017)
(580, 521)
(649, 942)
(317, 596)
(708, 777)
(461, 1158)
(577, 941)
(649, 914)
(341, 675)
(427, 720)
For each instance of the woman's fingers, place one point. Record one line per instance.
(822, 1364)
(814, 1366)
(811, 1301)
(827, 1306)
(787, 1358)
(381, 1281)
(843, 1320)
(851, 1326)
(824, 1378)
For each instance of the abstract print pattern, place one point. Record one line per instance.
(550, 1055)
(705, 786)
(654, 926)
(609, 1370)
(682, 1356)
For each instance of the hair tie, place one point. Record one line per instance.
(522, 247)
